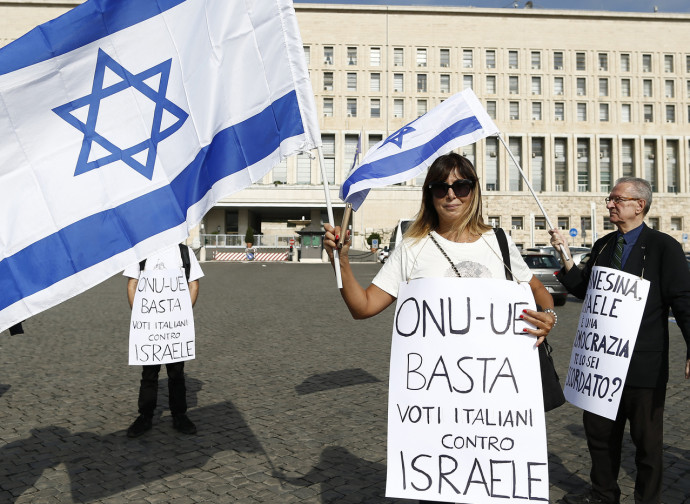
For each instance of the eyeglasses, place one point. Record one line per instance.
(617, 200)
(461, 188)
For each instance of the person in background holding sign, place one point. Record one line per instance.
(658, 258)
(181, 258)
(448, 238)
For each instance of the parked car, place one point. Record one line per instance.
(544, 266)
(383, 254)
(576, 252)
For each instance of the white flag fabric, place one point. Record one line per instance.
(122, 122)
(459, 120)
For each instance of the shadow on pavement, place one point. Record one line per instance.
(334, 380)
(4, 388)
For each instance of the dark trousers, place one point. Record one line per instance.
(148, 390)
(644, 408)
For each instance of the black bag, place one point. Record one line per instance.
(550, 383)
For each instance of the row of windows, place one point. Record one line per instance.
(517, 222)
(580, 112)
(515, 59)
(536, 84)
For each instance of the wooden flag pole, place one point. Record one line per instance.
(331, 220)
(522, 174)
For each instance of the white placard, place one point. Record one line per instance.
(162, 325)
(465, 411)
(606, 335)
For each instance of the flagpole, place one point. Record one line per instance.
(548, 221)
(331, 220)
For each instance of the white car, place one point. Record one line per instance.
(383, 254)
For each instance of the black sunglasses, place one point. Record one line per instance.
(461, 188)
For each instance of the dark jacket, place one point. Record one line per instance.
(659, 258)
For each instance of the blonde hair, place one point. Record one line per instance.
(427, 218)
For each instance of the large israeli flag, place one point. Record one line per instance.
(123, 121)
(459, 120)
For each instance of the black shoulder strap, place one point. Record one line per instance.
(503, 245)
(142, 265)
(186, 263)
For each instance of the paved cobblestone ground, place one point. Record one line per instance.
(289, 408)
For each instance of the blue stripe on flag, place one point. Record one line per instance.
(110, 232)
(86, 23)
(408, 159)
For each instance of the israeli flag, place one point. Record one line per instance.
(459, 120)
(122, 122)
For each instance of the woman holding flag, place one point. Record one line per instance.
(448, 238)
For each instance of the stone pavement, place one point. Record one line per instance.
(288, 393)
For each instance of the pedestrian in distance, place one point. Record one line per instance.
(657, 257)
(448, 238)
(175, 257)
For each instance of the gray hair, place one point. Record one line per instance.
(641, 189)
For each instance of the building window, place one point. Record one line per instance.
(676, 223)
(604, 112)
(536, 111)
(607, 224)
(328, 55)
(603, 87)
(421, 83)
(650, 163)
(444, 58)
(539, 222)
(687, 63)
(670, 89)
(583, 165)
(351, 142)
(352, 107)
(512, 59)
(421, 57)
(279, 173)
(605, 165)
(445, 83)
(646, 62)
(670, 113)
(603, 62)
(398, 108)
(398, 86)
(668, 63)
(514, 110)
(303, 169)
(351, 56)
(626, 112)
(581, 84)
(466, 82)
(513, 84)
(422, 107)
(563, 222)
(307, 54)
(398, 56)
(328, 107)
(625, 62)
(559, 111)
(558, 87)
(648, 111)
(672, 173)
(375, 56)
(535, 58)
(653, 222)
(491, 165)
(494, 221)
(491, 84)
(560, 147)
(491, 109)
(490, 58)
(581, 112)
(628, 158)
(375, 108)
(625, 87)
(538, 174)
(516, 222)
(647, 88)
(375, 82)
(351, 81)
(580, 64)
(467, 58)
(515, 180)
(328, 81)
(536, 85)
(328, 147)
(558, 60)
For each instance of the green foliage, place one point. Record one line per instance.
(249, 235)
(374, 236)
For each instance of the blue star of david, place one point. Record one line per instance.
(93, 101)
(397, 137)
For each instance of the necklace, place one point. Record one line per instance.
(444, 254)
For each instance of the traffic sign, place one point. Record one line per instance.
(573, 232)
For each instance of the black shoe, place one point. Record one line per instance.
(140, 425)
(585, 498)
(183, 424)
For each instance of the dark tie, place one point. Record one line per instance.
(616, 260)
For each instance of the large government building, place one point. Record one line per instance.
(581, 98)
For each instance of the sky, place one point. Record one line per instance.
(665, 6)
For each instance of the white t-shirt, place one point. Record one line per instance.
(169, 258)
(423, 259)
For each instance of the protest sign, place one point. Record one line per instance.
(606, 334)
(465, 410)
(162, 325)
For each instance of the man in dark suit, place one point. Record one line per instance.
(657, 257)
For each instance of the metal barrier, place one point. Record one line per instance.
(237, 240)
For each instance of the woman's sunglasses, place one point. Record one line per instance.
(461, 188)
